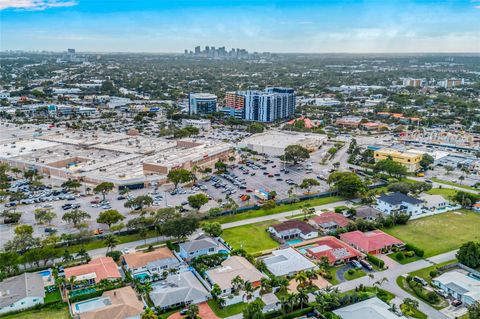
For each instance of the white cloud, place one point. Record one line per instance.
(35, 4)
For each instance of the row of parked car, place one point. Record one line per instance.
(37, 194)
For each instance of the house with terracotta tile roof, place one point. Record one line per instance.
(329, 222)
(335, 250)
(292, 229)
(372, 242)
(121, 303)
(143, 263)
(476, 207)
(95, 271)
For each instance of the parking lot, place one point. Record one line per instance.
(269, 174)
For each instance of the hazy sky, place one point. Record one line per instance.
(276, 26)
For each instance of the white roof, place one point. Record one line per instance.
(470, 287)
(372, 308)
(286, 261)
(432, 200)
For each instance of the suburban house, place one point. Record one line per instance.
(372, 242)
(333, 249)
(398, 202)
(21, 292)
(372, 308)
(98, 269)
(460, 286)
(437, 204)
(178, 290)
(292, 229)
(121, 303)
(198, 247)
(287, 262)
(367, 213)
(148, 263)
(329, 222)
(230, 269)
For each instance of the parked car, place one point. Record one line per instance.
(365, 264)
(355, 264)
(456, 303)
(421, 281)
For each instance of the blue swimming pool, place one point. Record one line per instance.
(293, 241)
(45, 273)
(92, 304)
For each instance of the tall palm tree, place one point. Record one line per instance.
(301, 278)
(192, 311)
(111, 241)
(265, 284)
(378, 284)
(249, 290)
(302, 297)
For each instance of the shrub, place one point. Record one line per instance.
(419, 252)
(115, 254)
(432, 297)
(351, 272)
(409, 278)
(409, 253)
(376, 261)
(399, 256)
(433, 273)
(170, 245)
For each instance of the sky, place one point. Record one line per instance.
(310, 26)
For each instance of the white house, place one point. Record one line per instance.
(21, 292)
(372, 308)
(398, 202)
(460, 286)
(292, 229)
(287, 262)
(437, 204)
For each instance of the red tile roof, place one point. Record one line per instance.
(329, 217)
(332, 248)
(370, 241)
(294, 224)
(103, 268)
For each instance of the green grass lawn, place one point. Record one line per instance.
(405, 260)
(46, 313)
(418, 314)
(228, 310)
(279, 209)
(447, 193)
(333, 272)
(53, 296)
(357, 274)
(253, 237)
(439, 233)
(425, 272)
(453, 184)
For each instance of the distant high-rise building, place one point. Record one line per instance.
(202, 103)
(197, 50)
(234, 105)
(413, 82)
(271, 105)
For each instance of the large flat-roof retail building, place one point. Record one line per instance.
(274, 142)
(124, 160)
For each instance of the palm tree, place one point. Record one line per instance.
(283, 285)
(301, 278)
(302, 297)
(292, 301)
(284, 304)
(237, 284)
(311, 275)
(377, 284)
(71, 281)
(249, 290)
(149, 314)
(111, 241)
(265, 285)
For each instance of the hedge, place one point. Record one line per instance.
(419, 252)
(376, 261)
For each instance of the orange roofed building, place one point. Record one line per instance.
(152, 262)
(334, 250)
(95, 271)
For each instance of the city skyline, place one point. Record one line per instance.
(275, 26)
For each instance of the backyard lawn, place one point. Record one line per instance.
(46, 313)
(439, 233)
(447, 193)
(279, 209)
(253, 237)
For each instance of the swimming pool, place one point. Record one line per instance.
(293, 241)
(45, 273)
(92, 304)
